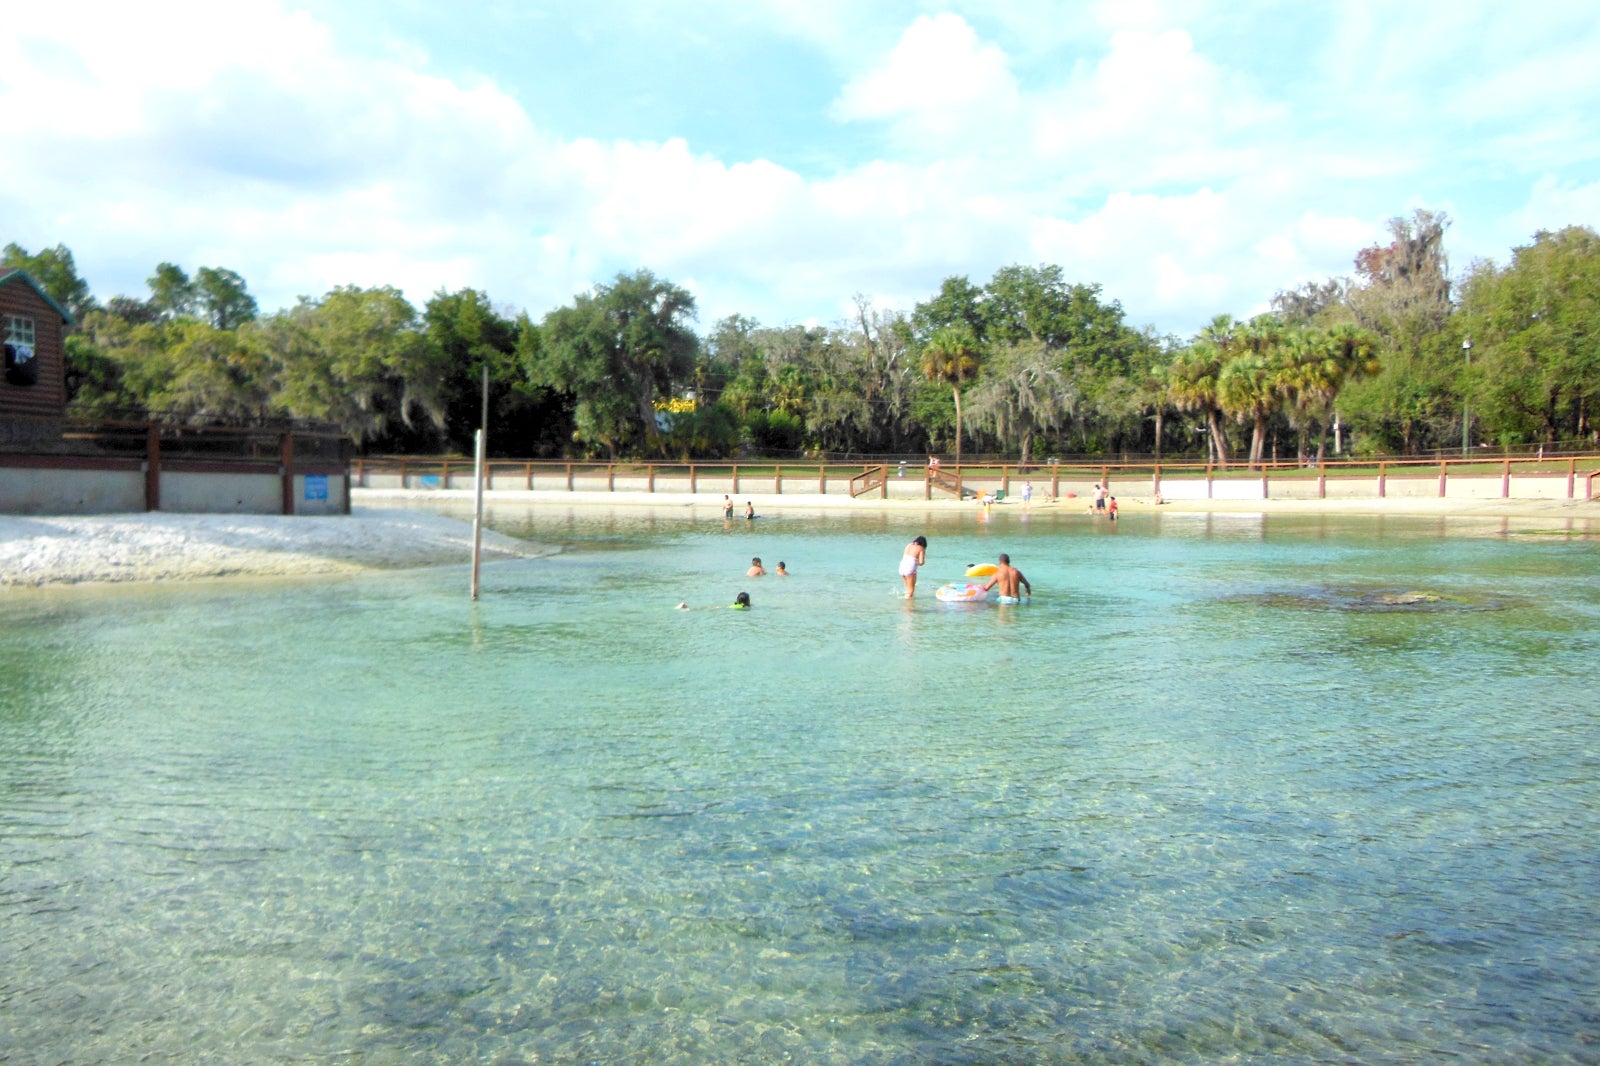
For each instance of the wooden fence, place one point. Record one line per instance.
(50, 465)
(1569, 477)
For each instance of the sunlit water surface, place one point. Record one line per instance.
(1229, 789)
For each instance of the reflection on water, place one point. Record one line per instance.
(1164, 812)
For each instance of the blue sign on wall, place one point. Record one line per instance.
(316, 486)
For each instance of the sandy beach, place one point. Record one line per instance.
(417, 528)
(40, 551)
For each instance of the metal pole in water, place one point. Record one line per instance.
(477, 514)
(479, 451)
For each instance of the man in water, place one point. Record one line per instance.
(756, 569)
(1008, 578)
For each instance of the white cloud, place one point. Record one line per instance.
(937, 78)
(1142, 146)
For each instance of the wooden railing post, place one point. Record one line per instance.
(1444, 465)
(650, 476)
(286, 470)
(736, 479)
(777, 480)
(152, 468)
(1209, 475)
(691, 479)
(822, 479)
(1505, 481)
(1572, 476)
(1383, 481)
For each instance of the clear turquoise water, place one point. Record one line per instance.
(1209, 798)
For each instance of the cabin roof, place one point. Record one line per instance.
(9, 274)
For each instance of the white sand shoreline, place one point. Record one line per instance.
(392, 529)
(38, 551)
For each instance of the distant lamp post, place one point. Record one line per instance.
(1466, 408)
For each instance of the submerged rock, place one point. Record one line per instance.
(1346, 599)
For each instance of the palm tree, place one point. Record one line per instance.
(952, 355)
(1248, 384)
(1192, 380)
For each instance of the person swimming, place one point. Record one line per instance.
(741, 602)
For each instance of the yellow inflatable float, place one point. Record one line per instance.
(982, 570)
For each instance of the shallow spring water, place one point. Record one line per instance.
(1228, 789)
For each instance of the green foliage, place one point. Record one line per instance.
(952, 355)
(1024, 395)
(224, 301)
(172, 294)
(471, 336)
(959, 304)
(357, 358)
(774, 432)
(1025, 363)
(616, 351)
(708, 431)
(94, 381)
(1535, 328)
(57, 275)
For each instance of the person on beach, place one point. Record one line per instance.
(916, 555)
(1008, 577)
(727, 507)
(1111, 508)
(749, 510)
(756, 569)
(1027, 493)
(782, 570)
(1100, 494)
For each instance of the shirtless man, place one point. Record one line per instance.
(756, 569)
(1008, 578)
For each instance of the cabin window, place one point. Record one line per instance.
(19, 330)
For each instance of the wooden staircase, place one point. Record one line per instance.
(873, 477)
(945, 481)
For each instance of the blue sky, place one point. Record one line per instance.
(780, 157)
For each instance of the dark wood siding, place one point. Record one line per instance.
(48, 396)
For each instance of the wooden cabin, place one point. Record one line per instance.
(33, 327)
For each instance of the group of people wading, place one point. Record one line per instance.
(1007, 578)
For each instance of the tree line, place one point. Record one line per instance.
(1393, 359)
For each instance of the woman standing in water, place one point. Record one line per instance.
(916, 554)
